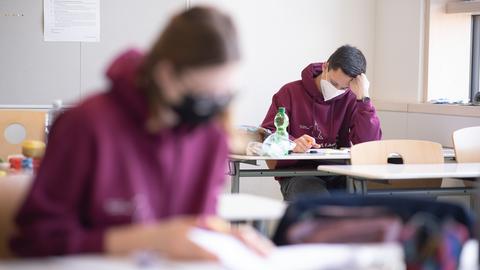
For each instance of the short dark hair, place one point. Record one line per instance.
(350, 59)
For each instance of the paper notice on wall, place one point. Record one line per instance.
(71, 20)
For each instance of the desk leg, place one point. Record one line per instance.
(363, 186)
(261, 227)
(350, 185)
(234, 167)
(350, 182)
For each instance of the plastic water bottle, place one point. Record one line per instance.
(281, 122)
(278, 144)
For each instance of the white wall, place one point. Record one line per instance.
(398, 50)
(34, 72)
(281, 37)
(124, 24)
(421, 126)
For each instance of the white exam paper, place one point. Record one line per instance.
(71, 20)
(233, 254)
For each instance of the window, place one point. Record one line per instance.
(475, 66)
(449, 55)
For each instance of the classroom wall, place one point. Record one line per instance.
(124, 24)
(34, 72)
(421, 126)
(398, 50)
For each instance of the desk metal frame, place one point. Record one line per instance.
(353, 185)
(235, 172)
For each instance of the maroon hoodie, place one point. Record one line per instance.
(335, 123)
(103, 169)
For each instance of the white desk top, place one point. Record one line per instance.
(247, 207)
(97, 262)
(468, 260)
(333, 256)
(406, 171)
(321, 154)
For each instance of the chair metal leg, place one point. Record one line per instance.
(350, 185)
(234, 171)
(364, 187)
(261, 227)
(359, 186)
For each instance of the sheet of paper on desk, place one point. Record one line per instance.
(234, 255)
(329, 151)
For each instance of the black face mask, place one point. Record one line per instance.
(195, 110)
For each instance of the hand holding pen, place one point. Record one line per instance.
(304, 143)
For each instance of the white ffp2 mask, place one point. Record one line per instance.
(329, 91)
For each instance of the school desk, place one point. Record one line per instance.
(329, 155)
(405, 172)
(239, 208)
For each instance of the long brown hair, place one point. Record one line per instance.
(197, 37)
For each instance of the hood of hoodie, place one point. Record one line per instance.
(309, 73)
(122, 75)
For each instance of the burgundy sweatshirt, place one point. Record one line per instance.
(335, 123)
(103, 169)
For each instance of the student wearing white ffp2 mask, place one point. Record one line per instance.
(328, 108)
(359, 85)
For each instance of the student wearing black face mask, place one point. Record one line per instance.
(137, 167)
(194, 110)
